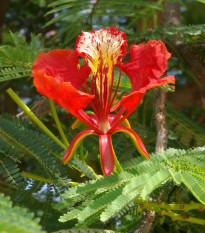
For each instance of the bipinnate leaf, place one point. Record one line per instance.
(196, 186)
(154, 182)
(16, 219)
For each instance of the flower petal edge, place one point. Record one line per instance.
(76, 143)
(63, 93)
(135, 139)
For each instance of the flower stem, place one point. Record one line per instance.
(43, 179)
(82, 157)
(33, 117)
(35, 177)
(58, 124)
(117, 164)
(155, 19)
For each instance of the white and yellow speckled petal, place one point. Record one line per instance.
(102, 50)
(108, 45)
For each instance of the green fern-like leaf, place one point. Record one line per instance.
(195, 185)
(191, 33)
(84, 12)
(82, 167)
(118, 204)
(97, 206)
(175, 176)
(9, 161)
(158, 178)
(82, 230)
(185, 129)
(16, 61)
(36, 144)
(108, 197)
(15, 219)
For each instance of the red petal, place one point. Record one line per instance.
(147, 63)
(63, 65)
(135, 139)
(106, 154)
(132, 100)
(162, 81)
(76, 143)
(63, 93)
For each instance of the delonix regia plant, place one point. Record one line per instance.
(170, 183)
(58, 75)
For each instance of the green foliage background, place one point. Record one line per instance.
(38, 193)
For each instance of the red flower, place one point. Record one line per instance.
(58, 75)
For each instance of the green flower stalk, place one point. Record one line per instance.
(34, 118)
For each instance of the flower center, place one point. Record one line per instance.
(104, 126)
(102, 50)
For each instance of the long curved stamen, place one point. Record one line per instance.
(106, 92)
(107, 110)
(116, 120)
(88, 121)
(97, 99)
(104, 97)
(101, 87)
(110, 92)
(117, 87)
(94, 92)
(91, 103)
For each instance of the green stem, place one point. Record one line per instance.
(155, 20)
(35, 177)
(144, 24)
(173, 206)
(58, 124)
(167, 209)
(82, 157)
(117, 164)
(92, 14)
(183, 217)
(42, 179)
(33, 117)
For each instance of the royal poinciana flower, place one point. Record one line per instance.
(58, 75)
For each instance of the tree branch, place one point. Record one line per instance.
(171, 16)
(160, 121)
